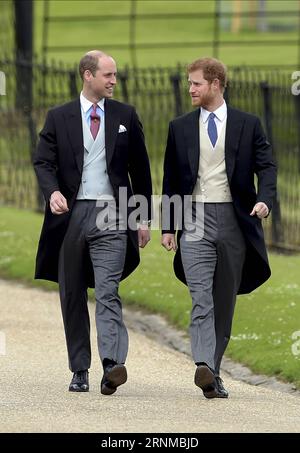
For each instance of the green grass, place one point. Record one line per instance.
(264, 320)
(19, 234)
(107, 33)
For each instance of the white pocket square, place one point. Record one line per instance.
(122, 128)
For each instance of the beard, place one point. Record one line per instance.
(206, 99)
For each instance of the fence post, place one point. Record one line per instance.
(132, 34)
(72, 84)
(123, 76)
(277, 229)
(216, 38)
(24, 54)
(175, 80)
(226, 93)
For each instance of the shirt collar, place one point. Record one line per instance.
(86, 104)
(220, 113)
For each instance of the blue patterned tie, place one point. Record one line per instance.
(212, 129)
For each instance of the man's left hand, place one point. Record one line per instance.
(143, 235)
(260, 209)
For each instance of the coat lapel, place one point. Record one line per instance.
(234, 127)
(75, 132)
(191, 137)
(112, 122)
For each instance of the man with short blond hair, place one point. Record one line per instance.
(212, 156)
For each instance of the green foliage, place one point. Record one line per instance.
(6, 29)
(264, 322)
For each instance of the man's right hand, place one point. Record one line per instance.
(168, 241)
(58, 203)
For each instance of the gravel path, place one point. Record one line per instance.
(160, 395)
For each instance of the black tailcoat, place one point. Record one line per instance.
(58, 163)
(247, 152)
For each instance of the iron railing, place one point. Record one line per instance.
(159, 94)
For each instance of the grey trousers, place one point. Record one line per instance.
(213, 268)
(107, 250)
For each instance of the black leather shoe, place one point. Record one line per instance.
(222, 392)
(80, 382)
(205, 379)
(114, 375)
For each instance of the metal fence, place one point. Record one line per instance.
(159, 95)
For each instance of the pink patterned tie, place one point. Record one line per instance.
(95, 122)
